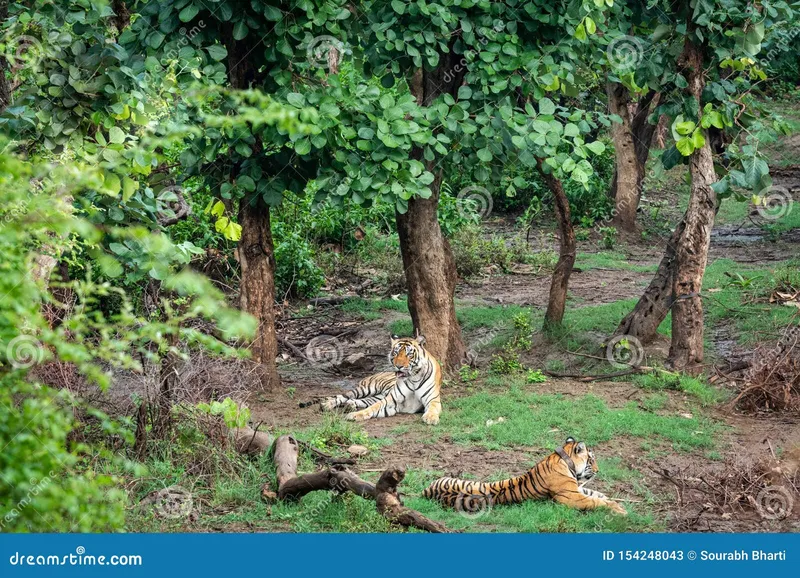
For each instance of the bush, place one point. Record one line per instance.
(473, 252)
(296, 271)
(45, 484)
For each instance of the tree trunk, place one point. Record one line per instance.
(431, 278)
(427, 258)
(691, 254)
(632, 141)
(557, 301)
(5, 85)
(255, 253)
(656, 301)
(257, 288)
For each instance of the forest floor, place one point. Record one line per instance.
(656, 437)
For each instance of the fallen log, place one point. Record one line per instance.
(338, 478)
(251, 441)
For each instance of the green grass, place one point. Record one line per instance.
(697, 387)
(536, 420)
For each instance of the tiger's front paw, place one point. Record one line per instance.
(356, 416)
(615, 507)
(430, 418)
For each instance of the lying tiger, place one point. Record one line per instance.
(413, 386)
(557, 476)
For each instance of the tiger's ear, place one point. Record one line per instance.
(421, 339)
(570, 440)
(395, 337)
(580, 448)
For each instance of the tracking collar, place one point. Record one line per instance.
(568, 460)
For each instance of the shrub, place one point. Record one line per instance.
(296, 271)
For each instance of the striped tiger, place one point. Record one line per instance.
(369, 390)
(557, 476)
(418, 379)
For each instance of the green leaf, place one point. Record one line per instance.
(685, 146)
(597, 147)
(240, 30)
(591, 27)
(272, 13)
(112, 183)
(398, 6)
(129, 188)
(546, 106)
(464, 93)
(217, 52)
(580, 33)
(698, 140)
(485, 154)
(303, 146)
(684, 128)
(246, 182)
(296, 99)
(155, 39)
(116, 136)
(188, 13)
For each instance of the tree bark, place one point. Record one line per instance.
(427, 258)
(632, 140)
(339, 479)
(255, 252)
(5, 85)
(257, 287)
(691, 253)
(654, 304)
(557, 301)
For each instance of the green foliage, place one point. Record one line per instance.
(46, 485)
(232, 414)
(296, 272)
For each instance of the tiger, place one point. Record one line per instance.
(415, 385)
(557, 476)
(368, 391)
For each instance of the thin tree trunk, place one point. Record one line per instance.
(427, 258)
(654, 304)
(691, 256)
(257, 288)
(557, 301)
(632, 140)
(5, 85)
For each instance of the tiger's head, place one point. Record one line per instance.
(406, 355)
(582, 458)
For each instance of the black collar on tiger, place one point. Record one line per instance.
(567, 460)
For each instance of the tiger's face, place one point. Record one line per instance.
(583, 458)
(405, 356)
